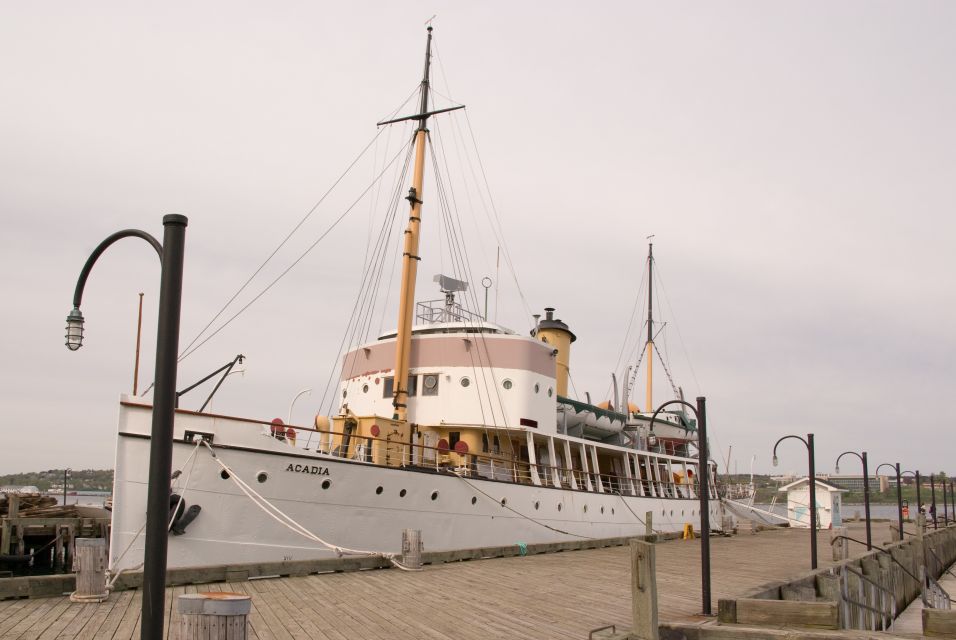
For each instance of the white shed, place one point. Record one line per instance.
(828, 503)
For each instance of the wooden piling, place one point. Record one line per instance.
(643, 590)
(90, 566)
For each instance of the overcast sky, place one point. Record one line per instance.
(796, 163)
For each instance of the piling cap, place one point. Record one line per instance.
(550, 323)
(215, 604)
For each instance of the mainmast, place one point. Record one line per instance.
(410, 257)
(649, 406)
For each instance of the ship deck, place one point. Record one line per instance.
(557, 595)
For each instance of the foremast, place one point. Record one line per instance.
(410, 257)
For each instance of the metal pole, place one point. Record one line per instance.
(866, 503)
(161, 442)
(945, 506)
(899, 499)
(704, 503)
(65, 473)
(932, 504)
(139, 333)
(813, 504)
(919, 500)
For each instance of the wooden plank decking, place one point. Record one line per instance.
(560, 595)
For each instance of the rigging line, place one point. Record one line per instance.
(353, 315)
(186, 351)
(308, 250)
(680, 336)
(494, 209)
(527, 517)
(463, 257)
(470, 206)
(670, 378)
(479, 337)
(382, 257)
(630, 323)
(367, 293)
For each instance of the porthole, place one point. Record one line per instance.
(364, 388)
(326, 484)
(585, 508)
(507, 384)
(559, 506)
(262, 476)
(536, 505)
(434, 495)
(550, 392)
(474, 499)
(224, 474)
(401, 494)
(612, 511)
(672, 513)
(537, 387)
(504, 501)
(692, 512)
(378, 491)
(663, 513)
(430, 384)
(345, 393)
(682, 513)
(602, 509)
(465, 382)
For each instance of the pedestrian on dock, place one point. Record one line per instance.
(932, 512)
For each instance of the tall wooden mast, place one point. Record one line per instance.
(410, 257)
(650, 328)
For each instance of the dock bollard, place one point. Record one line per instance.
(412, 548)
(89, 563)
(214, 616)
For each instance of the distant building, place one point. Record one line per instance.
(855, 483)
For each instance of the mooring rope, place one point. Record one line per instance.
(285, 520)
(182, 498)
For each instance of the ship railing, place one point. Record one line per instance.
(436, 311)
(389, 452)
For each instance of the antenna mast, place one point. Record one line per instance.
(649, 406)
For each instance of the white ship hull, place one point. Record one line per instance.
(452, 512)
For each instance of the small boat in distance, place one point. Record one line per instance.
(450, 424)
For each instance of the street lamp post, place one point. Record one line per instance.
(171, 253)
(899, 492)
(703, 493)
(866, 493)
(813, 492)
(919, 500)
(66, 474)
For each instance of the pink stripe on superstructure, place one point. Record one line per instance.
(471, 350)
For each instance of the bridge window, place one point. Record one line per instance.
(430, 384)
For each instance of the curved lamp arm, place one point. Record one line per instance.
(669, 402)
(837, 465)
(903, 473)
(74, 321)
(805, 443)
(886, 464)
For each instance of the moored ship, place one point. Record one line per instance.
(451, 424)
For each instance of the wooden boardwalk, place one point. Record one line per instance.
(560, 595)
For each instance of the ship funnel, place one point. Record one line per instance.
(557, 334)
